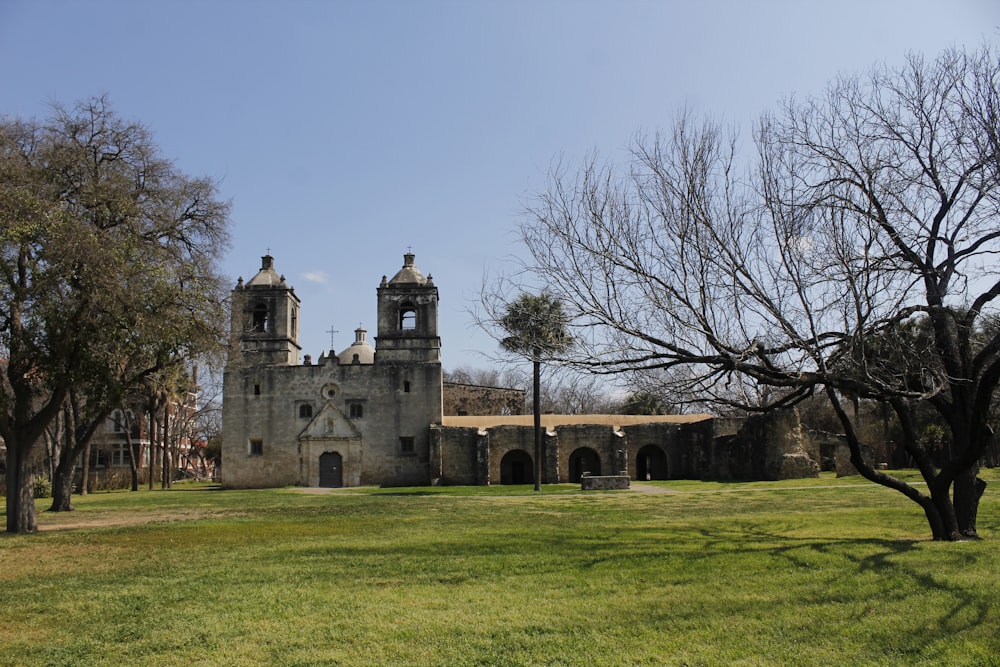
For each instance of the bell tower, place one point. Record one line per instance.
(408, 317)
(265, 319)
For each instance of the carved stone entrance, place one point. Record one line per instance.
(330, 450)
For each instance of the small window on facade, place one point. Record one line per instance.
(256, 390)
(260, 319)
(256, 447)
(406, 445)
(406, 386)
(305, 411)
(357, 411)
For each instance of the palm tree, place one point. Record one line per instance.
(536, 328)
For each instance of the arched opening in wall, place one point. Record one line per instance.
(651, 463)
(407, 317)
(516, 468)
(331, 470)
(583, 460)
(260, 319)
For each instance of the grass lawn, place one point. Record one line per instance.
(803, 572)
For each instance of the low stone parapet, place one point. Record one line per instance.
(590, 482)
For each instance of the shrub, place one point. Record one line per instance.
(41, 487)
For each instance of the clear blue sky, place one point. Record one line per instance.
(346, 131)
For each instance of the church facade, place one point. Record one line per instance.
(373, 415)
(351, 419)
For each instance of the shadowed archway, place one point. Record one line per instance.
(650, 463)
(516, 468)
(583, 460)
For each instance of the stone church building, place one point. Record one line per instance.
(373, 415)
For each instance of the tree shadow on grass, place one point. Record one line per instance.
(881, 570)
(404, 493)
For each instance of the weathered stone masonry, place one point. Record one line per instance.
(373, 415)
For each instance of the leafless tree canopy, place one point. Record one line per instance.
(865, 207)
(870, 207)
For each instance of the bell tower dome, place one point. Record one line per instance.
(265, 319)
(408, 316)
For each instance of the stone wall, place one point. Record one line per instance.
(844, 466)
(681, 444)
(766, 447)
(383, 423)
(604, 441)
(471, 399)
(763, 448)
(395, 401)
(455, 459)
(605, 483)
(501, 440)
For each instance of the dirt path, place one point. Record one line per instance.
(48, 521)
(642, 487)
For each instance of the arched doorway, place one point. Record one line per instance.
(331, 470)
(650, 463)
(516, 468)
(583, 460)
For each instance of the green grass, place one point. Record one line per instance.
(802, 572)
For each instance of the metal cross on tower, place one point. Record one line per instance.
(333, 332)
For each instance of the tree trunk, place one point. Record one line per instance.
(152, 445)
(945, 524)
(20, 494)
(78, 440)
(133, 463)
(85, 472)
(536, 409)
(165, 451)
(969, 490)
(62, 482)
(938, 508)
(940, 530)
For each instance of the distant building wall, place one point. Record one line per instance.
(470, 399)
(766, 447)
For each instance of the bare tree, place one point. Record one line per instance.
(568, 392)
(870, 207)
